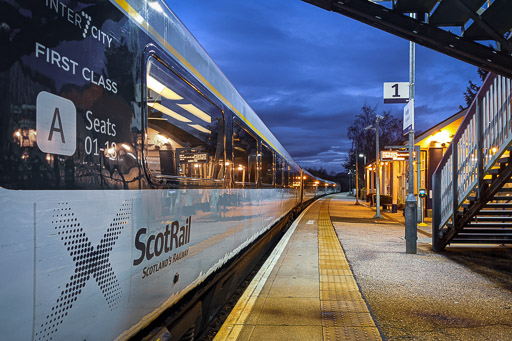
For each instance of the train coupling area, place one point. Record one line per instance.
(304, 291)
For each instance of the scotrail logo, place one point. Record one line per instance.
(90, 261)
(80, 19)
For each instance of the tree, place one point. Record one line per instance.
(390, 133)
(364, 140)
(472, 88)
(321, 173)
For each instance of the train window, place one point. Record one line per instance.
(295, 179)
(286, 175)
(245, 151)
(267, 165)
(184, 129)
(279, 171)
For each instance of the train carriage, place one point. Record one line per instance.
(131, 169)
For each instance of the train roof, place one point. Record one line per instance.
(158, 20)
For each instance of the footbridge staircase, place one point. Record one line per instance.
(472, 185)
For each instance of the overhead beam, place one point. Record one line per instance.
(505, 44)
(430, 36)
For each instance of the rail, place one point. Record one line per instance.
(482, 138)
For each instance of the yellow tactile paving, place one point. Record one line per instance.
(340, 295)
(345, 315)
(301, 301)
(351, 333)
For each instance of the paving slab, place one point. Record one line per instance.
(305, 290)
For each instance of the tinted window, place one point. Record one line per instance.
(286, 176)
(245, 153)
(279, 171)
(184, 129)
(267, 165)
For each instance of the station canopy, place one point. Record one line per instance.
(474, 31)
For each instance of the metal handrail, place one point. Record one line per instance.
(481, 139)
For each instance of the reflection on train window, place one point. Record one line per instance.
(245, 151)
(295, 179)
(286, 175)
(267, 165)
(279, 171)
(185, 130)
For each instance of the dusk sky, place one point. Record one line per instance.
(306, 71)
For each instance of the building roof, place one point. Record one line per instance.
(442, 132)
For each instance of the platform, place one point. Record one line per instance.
(339, 274)
(305, 290)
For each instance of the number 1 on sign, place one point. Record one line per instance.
(396, 90)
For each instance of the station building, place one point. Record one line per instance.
(394, 165)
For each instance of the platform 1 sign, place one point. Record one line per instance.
(396, 92)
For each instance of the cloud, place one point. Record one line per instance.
(307, 71)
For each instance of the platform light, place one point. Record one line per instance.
(442, 136)
(125, 146)
(169, 112)
(196, 112)
(494, 150)
(161, 89)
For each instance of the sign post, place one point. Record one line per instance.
(411, 215)
(403, 92)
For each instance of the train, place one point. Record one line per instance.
(133, 174)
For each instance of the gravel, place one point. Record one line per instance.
(460, 294)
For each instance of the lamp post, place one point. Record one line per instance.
(357, 174)
(377, 201)
(364, 175)
(350, 181)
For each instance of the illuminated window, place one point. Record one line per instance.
(267, 165)
(184, 128)
(245, 155)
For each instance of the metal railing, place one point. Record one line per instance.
(481, 139)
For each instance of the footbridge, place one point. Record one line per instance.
(472, 185)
